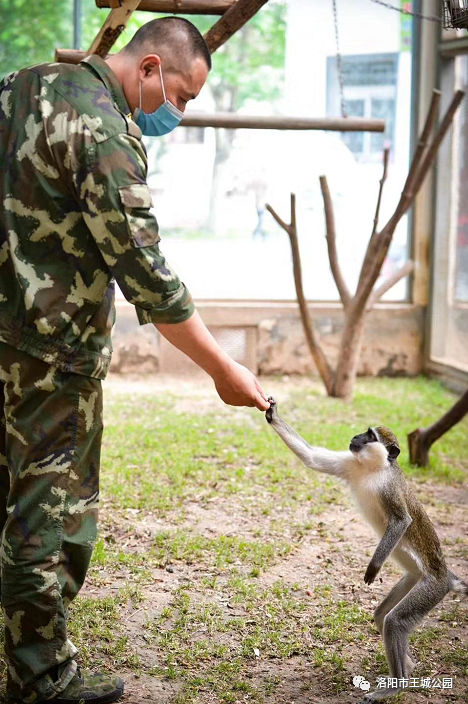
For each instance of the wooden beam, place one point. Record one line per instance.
(231, 22)
(69, 56)
(113, 27)
(176, 7)
(233, 121)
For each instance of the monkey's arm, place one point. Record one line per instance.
(397, 525)
(317, 458)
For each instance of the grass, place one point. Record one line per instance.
(222, 566)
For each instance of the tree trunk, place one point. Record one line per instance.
(348, 358)
(421, 439)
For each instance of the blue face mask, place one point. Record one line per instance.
(161, 121)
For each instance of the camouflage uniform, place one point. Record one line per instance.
(74, 216)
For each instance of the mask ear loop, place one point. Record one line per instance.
(162, 83)
(139, 91)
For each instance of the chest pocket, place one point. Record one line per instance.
(142, 225)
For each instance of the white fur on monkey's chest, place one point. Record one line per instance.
(366, 495)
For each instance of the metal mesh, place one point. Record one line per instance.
(455, 14)
(239, 342)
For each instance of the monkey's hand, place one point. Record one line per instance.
(271, 412)
(372, 571)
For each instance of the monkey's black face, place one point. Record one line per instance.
(363, 439)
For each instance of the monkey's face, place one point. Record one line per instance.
(370, 444)
(359, 442)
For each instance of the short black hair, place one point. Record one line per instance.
(169, 31)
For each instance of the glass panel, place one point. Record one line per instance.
(210, 195)
(383, 110)
(449, 331)
(354, 140)
(461, 244)
(381, 70)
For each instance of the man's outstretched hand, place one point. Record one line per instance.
(237, 386)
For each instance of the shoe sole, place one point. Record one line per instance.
(104, 699)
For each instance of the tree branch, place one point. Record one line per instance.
(413, 184)
(331, 244)
(421, 439)
(422, 142)
(318, 355)
(386, 153)
(280, 222)
(377, 293)
(368, 257)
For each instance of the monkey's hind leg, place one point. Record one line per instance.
(398, 624)
(395, 595)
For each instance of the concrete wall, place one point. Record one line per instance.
(268, 338)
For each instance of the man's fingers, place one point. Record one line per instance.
(261, 403)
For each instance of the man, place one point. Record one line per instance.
(75, 215)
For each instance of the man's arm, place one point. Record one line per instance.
(235, 384)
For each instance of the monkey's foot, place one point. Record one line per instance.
(378, 694)
(272, 412)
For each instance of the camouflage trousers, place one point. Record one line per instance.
(50, 439)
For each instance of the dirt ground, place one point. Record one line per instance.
(340, 559)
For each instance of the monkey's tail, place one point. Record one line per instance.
(457, 584)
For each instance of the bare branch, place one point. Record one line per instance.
(408, 195)
(280, 222)
(369, 255)
(377, 293)
(421, 439)
(331, 244)
(436, 142)
(316, 351)
(422, 143)
(382, 182)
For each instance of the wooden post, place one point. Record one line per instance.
(231, 22)
(233, 121)
(177, 7)
(69, 56)
(113, 27)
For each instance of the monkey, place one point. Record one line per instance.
(370, 468)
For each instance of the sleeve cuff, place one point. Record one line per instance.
(176, 309)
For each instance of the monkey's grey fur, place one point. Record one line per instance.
(406, 533)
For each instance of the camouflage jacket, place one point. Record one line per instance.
(74, 216)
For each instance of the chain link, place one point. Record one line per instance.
(339, 61)
(430, 18)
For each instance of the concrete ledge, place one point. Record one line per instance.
(275, 343)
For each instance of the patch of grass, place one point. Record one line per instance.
(99, 620)
(156, 458)
(229, 631)
(221, 551)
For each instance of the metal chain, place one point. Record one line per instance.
(339, 62)
(430, 18)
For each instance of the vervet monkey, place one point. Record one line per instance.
(406, 533)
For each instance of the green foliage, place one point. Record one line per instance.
(250, 65)
(30, 31)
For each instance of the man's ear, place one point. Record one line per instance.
(393, 451)
(149, 63)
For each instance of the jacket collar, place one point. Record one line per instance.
(110, 80)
